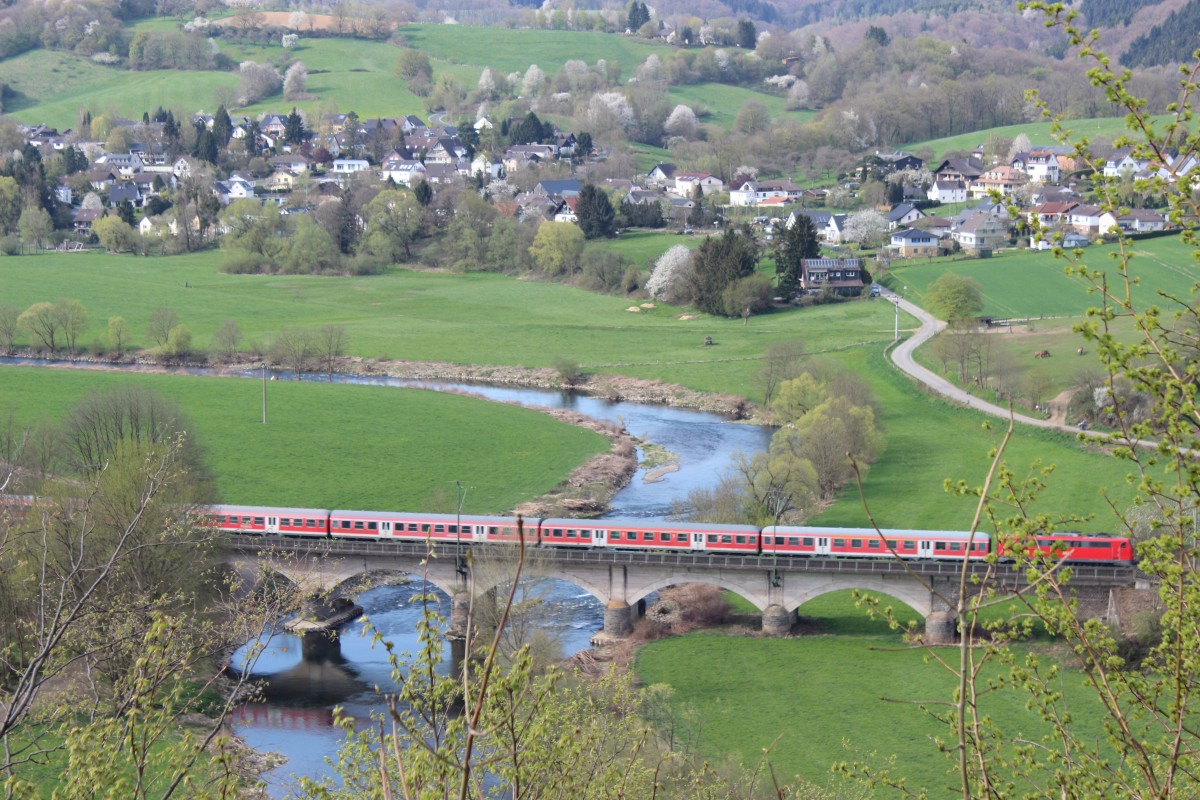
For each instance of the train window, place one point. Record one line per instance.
(726, 539)
(839, 542)
(768, 540)
(570, 533)
(664, 537)
(647, 536)
(856, 543)
(981, 546)
(712, 538)
(557, 533)
(808, 542)
(284, 522)
(681, 538)
(258, 520)
(439, 528)
(740, 539)
(793, 541)
(907, 545)
(891, 543)
(452, 528)
(1100, 545)
(585, 534)
(954, 546)
(358, 524)
(425, 528)
(492, 531)
(372, 526)
(939, 545)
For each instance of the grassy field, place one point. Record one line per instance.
(1038, 133)
(818, 700)
(718, 104)
(929, 441)
(478, 318)
(336, 446)
(1027, 283)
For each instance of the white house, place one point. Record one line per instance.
(948, 192)
(754, 193)
(349, 166)
(687, 182)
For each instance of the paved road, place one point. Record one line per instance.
(902, 356)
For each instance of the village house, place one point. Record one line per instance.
(947, 191)
(661, 174)
(1038, 165)
(903, 214)
(1003, 179)
(981, 231)
(914, 243)
(686, 184)
(755, 192)
(840, 275)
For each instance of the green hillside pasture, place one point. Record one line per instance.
(513, 50)
(54, 86)
(929, 441)
(815, 701)
(1038, 133)
(1026, 283)
(720, 103)
(643, 247)
(338, 446)
(476, 318)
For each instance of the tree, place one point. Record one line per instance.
(413, 64)
(10, 203)
(752, 118)
(179, 342)
(954, 297)
(797, 242)
(118, 334)
(531, 86)
(35, 226)
(639, 15)
(719, 262)
(673, 279)
(294, 131)
(331, 345)
(295, 82)
(682, 122)
(783, 362)
(312, 250)
(9, 326)
(225, 341)
(295, 349)
(162, 320)
(1020, 144)
(44, 322)
(595, 212)
(877, 35)
(556, 248)
(115, 234)
(745, 36)
(394, 220)
(865, 228)
(423, 192)
(259, 81)
(222, 127)
(72, 321)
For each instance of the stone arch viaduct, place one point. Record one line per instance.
(621, 579)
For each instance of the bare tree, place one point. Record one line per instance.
(295, 349)
(162, 320)
(43, 321)
(72, 319)
(331, 344)
(783, 362)
(226, 339)
(9, 325)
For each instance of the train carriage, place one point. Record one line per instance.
(631, 534)
(269, 520)
(868, 543)
(1079, 548)
(414, 527)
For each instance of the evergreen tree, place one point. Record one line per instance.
(125, 212)
(719, 263)
(746, 35)
(423, 192)
(638, 16)
(595, 212)
(583, 145)
(206, 146)
(293, 131)
(796, 244)
(469, 137)
(222, 127)
(529, 131)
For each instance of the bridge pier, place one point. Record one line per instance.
(460, 611)
(618, 619)
(777, 620)
(939, 628)
(321, 645)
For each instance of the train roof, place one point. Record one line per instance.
(273, 511)
(410, 516)
(647, 525)
(805, 530)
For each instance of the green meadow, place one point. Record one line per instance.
(1028, 283)
(339, 446)
(1038, 133)
(719, 103)
(813, 701)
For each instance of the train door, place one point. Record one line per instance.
(599, 537)
(924, 548)
(823, 548)
(385, 530)
(479, 534)
(697, 541)
(272, 525)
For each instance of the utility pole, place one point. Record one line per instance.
(264, 377)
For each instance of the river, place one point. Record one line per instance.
(296, 721)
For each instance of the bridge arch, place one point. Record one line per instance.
(363, 577)
(907, 591)
(757, 598)
(480, 585)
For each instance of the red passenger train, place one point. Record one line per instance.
(634, 534)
